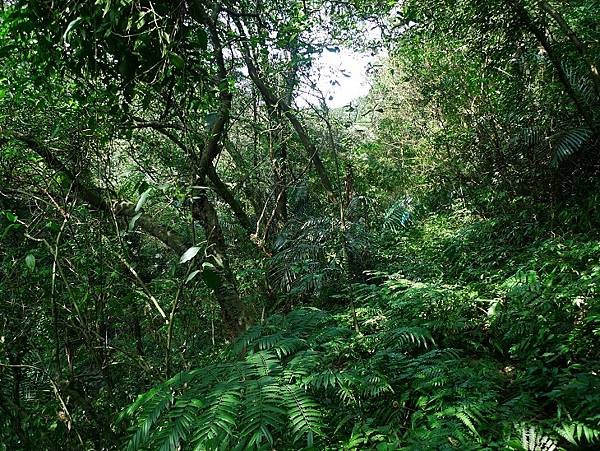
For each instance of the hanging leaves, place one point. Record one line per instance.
(176, 60)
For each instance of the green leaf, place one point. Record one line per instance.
(176, 60)
(192, 275)
(7, 50)
(30, 262)
(10, 216)
(70, 27)
(133, 221)
(196, 10)
(210, 275)
(143, 187)
(127, 67)
(189, 254)
(142, 200)
(202, 39)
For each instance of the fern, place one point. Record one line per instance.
(532, 439)
(303, 378)
(153, 409)
(218, 420)
(560, 144)
(180, 420)
(397, 216)
(577, 433)
(262, 412)
(409, 336)
(582, 84)
(568, 142)
(303, 413)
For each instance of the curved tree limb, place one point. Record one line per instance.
(92, 196)
(271, 99)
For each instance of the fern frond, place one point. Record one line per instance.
(568, 142)
(374, 385)
(574, 433)
(532, 439)
(397, 216)
(301, 365)
(218, 420)
(262, 412)
(581, 83)
(152, 411)
(403, 336)
(264, 362)
(178, 424)
(305, 417)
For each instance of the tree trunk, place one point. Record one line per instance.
(555, 59)
(228, 197)
(92, 196)
(280, 104)
(233, 312)
(580, 46)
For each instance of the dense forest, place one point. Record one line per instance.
(200, 249)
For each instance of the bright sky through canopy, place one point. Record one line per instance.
(341, 76)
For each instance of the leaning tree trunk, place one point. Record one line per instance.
(270, 99)
(555, 59)
(233, 311)
(579, 45)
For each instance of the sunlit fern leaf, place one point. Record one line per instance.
(374, 385)
(248, 338)
(151, 412)
(301, 365)
(578, 433)
(409, 336)
(532, 439)
(346, 392)
(179, 420)
(289, 346)
(431, 369)
(244, 370)
(469, 416)
(139, 402)
(268, 341)
(397, 217)
(325, 379)
(568, 142)
(264, 362)
(218, 419)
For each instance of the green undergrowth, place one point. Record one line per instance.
(479, 335)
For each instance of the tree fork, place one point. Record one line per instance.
(270, 99)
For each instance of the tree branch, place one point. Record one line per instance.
(91, 195)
